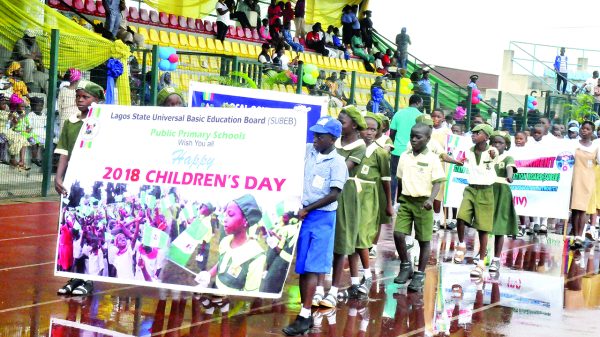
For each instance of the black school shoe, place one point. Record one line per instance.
(68, 288)
(405, 273)
(299, 327)
(84, 289)
(417, 283)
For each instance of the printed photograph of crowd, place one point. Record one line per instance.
(159, 235)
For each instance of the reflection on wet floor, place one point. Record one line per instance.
(543, 289)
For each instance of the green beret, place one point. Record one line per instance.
(356, 115)
(91, 88)
(249, 208)
(165, 93)
(504, 135)
(376, 117)
(384, 118)
(485, 128)
(425, 119)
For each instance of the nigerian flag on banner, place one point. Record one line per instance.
(154, 237)
(184, 245)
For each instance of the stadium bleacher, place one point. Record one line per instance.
(197, 35)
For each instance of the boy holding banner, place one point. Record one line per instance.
(86, 94)
(325, 174)
(477, 206)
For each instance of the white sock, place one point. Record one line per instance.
(363, 325)
(374, 247)
(438, 216)
(544, 221)
(495, 258)
(352, 312)
(367, 273)
(461, 244)
(304, 312)
(320, 290)
(210, 310)
(333, 291)
(354, 280)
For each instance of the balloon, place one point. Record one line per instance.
(530, 106)
(480, 96)
(309, 79)
(405, 82)
(475, 100)
(315, 73)
(411, 86)
(171, 51)
(405, 91)
(530, 98)
(310, 68)
(534, 103)
(173, 58)
(164, 65)
(172, 66)
(475, 92)
(163, 53)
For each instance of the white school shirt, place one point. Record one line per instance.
(484, 172)
(225, 17)
(123, 263)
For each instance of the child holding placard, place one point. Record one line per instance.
(477, 206)
(87, 93)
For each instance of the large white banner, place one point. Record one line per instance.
(542, 186)
(193, 199)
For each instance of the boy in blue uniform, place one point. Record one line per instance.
(325, 174)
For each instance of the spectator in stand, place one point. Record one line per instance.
(590, 83)
(253, 6)
(379, 64)
(288, 13)
(315, 40)
(264, 30)
(425, 90)
(113, 17)
(264, 57)
(415, 77)
(386, 59)
(299, 13)
(355, 21)
(402, 41)
(280, 60)
(508, 122)
(223, 20)
(274, 12)
(287, 37)
(366, 27)
(348, 18)
(276, 31)
(596, 93)
(320, 88)
(240, 16)
(473, 81)
(358, 48)
(341, 87)
(332, 84)
(519, 120)
(560, 67)
(66, 104)
(15, 77)
(334, 51)
(27, 52)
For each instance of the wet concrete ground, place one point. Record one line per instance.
(543, 289)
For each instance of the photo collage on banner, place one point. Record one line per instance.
(62, 328)
(192, 199)
(543, 177)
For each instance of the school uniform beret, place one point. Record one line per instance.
(425, 119)
(165, 93)
(356, 115)
(91, 88)
(485, 128)
(376, 117)
(249, 208)
(504, 135)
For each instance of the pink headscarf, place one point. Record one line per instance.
(75, 75)
(15, 100)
